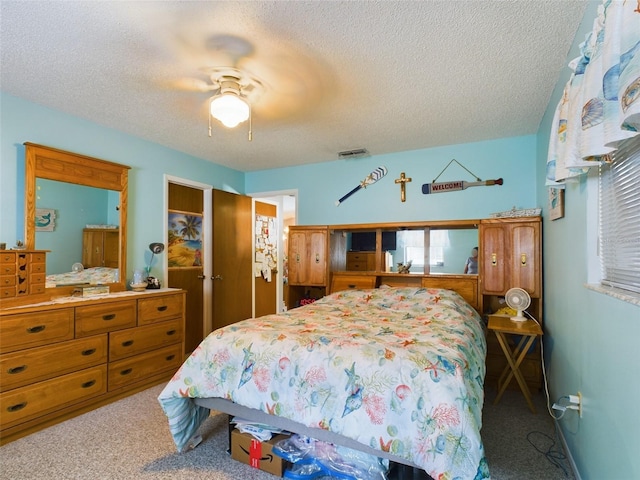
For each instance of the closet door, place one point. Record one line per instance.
(232, 258)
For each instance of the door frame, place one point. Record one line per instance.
(207, 244)
(274, 197)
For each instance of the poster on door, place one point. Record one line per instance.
(185, 240)
(266, 247)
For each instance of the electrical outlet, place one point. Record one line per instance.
(579, 404)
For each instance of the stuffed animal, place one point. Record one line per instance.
(404, 268)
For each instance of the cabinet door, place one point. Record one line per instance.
(297, 257)
(307, 257)
(318, 258)
(525, 247)
(494, 259)
(111, 249)
(92, 251)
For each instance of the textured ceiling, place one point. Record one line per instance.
(338, 75)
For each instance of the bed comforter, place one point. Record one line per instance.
(398, 369)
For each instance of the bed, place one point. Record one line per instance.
(87, 276)
(396, 371)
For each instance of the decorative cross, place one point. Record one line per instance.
(403, 186)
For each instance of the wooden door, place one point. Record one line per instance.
(232, 258)
(298, 270)
(265, 291)
(111, 248)
(318, 257)
(307, 256)
(189, 200)
(494, 259)
(525, 269)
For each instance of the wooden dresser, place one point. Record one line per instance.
(22, 273)
(62, 358)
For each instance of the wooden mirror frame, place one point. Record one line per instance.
(53, 164)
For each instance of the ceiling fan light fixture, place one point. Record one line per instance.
(230, 109)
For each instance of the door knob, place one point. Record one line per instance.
(201, 277)
(216, 277)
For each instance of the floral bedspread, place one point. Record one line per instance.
(93, 276)
(397, 369)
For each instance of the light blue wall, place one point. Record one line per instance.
(320, 185)
(591, 339)
(23, 121)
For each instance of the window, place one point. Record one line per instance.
(619, 217)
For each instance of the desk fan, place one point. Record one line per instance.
(519, 300)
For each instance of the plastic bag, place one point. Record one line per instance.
(314, 459)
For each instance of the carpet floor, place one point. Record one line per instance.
(130, 439)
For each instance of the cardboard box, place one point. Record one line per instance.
(247, 449)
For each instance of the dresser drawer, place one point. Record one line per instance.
(352, 282)
(7, 292)
(25, 330)
(105, 317)
(8, 258)
(41, 363)
(22, 404)
(7, 281)
(140, 367)
(38, 258)
(133, 341)
(37, 268)
(156, 309)
(8, 268)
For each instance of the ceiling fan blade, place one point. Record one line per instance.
(192, 85)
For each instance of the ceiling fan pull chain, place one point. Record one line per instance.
(250, 127)
(209, 115)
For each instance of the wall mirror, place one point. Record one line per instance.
(76, 207)
(439, 247)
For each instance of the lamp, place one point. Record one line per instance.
(229, 109)
(155, 247)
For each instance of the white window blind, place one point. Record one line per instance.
(619, 217)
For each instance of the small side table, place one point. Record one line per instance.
(529, 330)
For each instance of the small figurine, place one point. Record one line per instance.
(404, 268)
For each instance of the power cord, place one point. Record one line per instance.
(555, 456)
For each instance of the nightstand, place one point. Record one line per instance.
(528, 330)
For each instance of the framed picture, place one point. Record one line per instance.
(45, 219)
(556, 203)
(185, 240)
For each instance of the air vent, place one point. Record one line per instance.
(350, 154)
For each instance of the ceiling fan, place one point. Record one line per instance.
(275, 83)
(234, 92)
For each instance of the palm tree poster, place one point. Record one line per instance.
(185, 240)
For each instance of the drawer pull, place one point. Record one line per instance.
(14, 370)
(88, 384)
(126, 371)
(16, 407)
(88, 352)
(171, 332)
(162, 308)
(168, 358)
(36, 329)
(127, 343)
(351, 285)
(109, 316)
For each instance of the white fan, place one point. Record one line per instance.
(519, 300)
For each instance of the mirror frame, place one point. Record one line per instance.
(54, 164)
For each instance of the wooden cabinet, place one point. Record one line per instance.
(308, 267)
(59, 360)
(352, 282)
(511, 256)
(100, 247)
(308, 256)
(22, 273)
